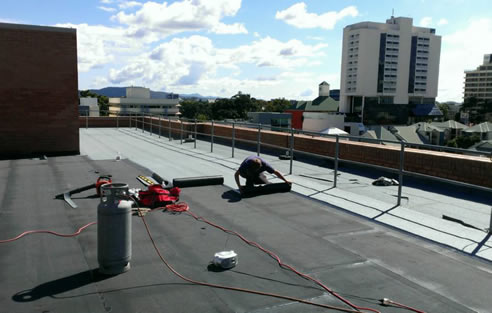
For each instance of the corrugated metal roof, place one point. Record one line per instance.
(484, 127)
(450, 124)
(323, 103)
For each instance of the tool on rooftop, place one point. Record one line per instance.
(225, 259)
(101, 180)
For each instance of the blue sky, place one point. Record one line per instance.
(269, 49)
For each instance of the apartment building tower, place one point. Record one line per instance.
(388, 63)
(478, 82)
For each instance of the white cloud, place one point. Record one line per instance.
(442, 21)
(129, 4)
(256, 34)
(297, 16)
(11, 21)
(107, 1)
(425, 21)
(191, 65)
(186, 15)
(98, 45)
(462, 50)
(235, 28)
(107, 9)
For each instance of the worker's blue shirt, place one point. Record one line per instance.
(245, 169)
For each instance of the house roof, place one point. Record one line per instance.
(484, 145)
(423, 109)
(427, 127)
(450, 124)
(299, 105)
(484, 127)
(409, 134)
(322, 103)
(333, 131)
(382, 133)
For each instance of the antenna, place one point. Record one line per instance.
(392, 13)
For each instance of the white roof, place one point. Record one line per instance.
(333, 131)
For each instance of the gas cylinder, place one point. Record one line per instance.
(114, 229)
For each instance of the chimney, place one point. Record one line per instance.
(324, 89)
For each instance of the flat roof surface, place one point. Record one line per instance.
(359, 259)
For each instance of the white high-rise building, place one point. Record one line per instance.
(388, 63)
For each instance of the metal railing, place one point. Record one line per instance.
(137, 121)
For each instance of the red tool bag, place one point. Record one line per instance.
(157, 196)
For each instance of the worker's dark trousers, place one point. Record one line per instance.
(257, 180)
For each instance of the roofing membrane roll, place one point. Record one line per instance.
(198, 181)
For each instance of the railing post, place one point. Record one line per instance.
(181, 132)
(160, 126)
(258, 141)
(212, 138)
(400, 175)
(130, 121)
(143, 123)
(490, 224)
(117, 120)
(194, 144)
(337, 151)
(136, 121)
(233, 137)
(169, 127)
(291, 149)
(87, 121)
(150, 118)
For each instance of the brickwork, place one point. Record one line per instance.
(468, 169)
(38, 91)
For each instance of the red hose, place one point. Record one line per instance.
(281, 264)
(183, 207)
(47, 232)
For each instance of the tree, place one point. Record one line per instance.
(463, 141)
(276, 105)
(444, 107)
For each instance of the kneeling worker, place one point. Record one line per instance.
(252, 170)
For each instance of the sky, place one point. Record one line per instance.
(269, 49)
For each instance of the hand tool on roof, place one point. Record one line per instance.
(101, 180)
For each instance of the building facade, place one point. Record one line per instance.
(139, 101)
(39, 85)
(324, 103)
(478, 82)
(88, 107)
(388, 63)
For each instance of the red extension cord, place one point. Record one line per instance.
(183, 207)
(48, 232)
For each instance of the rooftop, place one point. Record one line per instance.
(352, 238)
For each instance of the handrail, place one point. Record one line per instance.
(290, 132)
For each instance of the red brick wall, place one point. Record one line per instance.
(38, 91)
(468, 169)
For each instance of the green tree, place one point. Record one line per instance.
(444, 107)
(463, 141)
(277, 105)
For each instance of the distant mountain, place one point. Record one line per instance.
(117, 92)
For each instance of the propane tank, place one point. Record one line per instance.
(114, 229)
